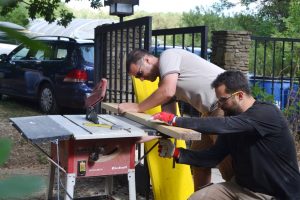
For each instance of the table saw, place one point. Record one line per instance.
(80, 148)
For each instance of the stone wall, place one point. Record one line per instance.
(230, 49)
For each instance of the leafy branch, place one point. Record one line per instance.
(44, 8)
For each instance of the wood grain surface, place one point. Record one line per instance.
(145, 119)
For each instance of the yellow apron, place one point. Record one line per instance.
(168, 183)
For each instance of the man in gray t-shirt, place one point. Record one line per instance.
(186, 76)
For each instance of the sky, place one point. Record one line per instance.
(160, 5)
(171, 5)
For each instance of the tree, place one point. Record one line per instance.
(292, 22)
(272, 10)
(211, 17)
(18, 16)
(255, 24)
(50, 10)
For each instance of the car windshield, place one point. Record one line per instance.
(87, 52)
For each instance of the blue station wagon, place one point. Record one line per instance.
(60, 75)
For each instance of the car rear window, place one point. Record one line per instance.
(87, 52)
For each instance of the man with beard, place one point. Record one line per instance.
(254, 133)
(187, 77)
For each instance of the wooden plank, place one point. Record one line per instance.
(142, 118)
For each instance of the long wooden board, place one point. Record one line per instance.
(142, 118)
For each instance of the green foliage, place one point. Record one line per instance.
(255, 24)
(201, 16)
(219, 7)
(271, 10)
(160, 20)
(279, 60)
(18, 15)
(5, 146)
(216, 20)
(16, 186)
(13, 34)
(205, 16)
(44, 8)
(260, 94)
(292, 109)
(20, 186)
(292, 22)
(92, 14)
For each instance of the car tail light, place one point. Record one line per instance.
(76, 75)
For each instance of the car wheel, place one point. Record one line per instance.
(47, 100)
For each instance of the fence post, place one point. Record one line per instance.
(230, 50)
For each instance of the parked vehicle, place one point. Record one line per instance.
(197, 50)
(61, 75)
(157, 50)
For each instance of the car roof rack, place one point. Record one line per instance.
(56, 37)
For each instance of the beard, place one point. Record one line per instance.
(232, 111)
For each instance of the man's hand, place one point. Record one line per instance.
(128, 107)
(166, 148)
(169, 118)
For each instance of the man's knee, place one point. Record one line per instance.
(205, 143)
(226, 169)
(212, 192)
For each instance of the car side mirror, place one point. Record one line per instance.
(3, 57)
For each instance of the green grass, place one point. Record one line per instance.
(12, 107)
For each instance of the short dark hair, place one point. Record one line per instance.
(135, 56)
(233, 81)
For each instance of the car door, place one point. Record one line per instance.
(33, 72)
(12, 73)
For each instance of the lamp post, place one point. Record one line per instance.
(121, 8)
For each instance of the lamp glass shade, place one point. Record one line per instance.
(121, 9)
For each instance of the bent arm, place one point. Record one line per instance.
(206, 158)
(217, 125)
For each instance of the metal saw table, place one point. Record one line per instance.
(83, 149)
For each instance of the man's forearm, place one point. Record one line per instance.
(216, 125)
(198, 159)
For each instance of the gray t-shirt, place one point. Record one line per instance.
(195, 77)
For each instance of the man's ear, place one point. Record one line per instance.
(147, 59)
(241, 95)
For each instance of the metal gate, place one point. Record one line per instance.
(112, 43)
(274, 66)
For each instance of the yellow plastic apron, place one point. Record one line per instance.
(168, 183)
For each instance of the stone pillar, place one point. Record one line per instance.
(230, 50)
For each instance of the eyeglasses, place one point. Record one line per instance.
(140, 73)
(221, 101)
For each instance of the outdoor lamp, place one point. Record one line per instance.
(121, 8)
